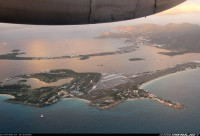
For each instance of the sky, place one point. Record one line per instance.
(191, 6)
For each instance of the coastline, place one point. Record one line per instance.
(156, 79)
(170, 104)
(133, 99)
(8, 95)
(136, 93)
(78, 99)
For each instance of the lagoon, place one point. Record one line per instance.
(137, 116)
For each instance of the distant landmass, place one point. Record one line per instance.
(91, 87)
(177, 38)
(15, 54)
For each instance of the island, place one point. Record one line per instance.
(136, 59)
(15, 55)
(92, 87)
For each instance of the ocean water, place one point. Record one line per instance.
(141, 116)
(70, 116)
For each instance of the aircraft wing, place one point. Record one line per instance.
(72, 12)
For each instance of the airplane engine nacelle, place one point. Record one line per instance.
(71, 12)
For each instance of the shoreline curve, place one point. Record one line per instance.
(8, 95)
(156, 79)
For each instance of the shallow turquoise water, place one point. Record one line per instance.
(144, 116)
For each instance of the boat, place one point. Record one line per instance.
(42, 116)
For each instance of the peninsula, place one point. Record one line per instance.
(178, 39)
(15, 55)
(89, 86)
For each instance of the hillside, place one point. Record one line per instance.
(178, 38)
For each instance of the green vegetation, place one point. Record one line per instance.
(14, 88)
(136, 59)
(84, 86)
(13, 56)
(84, 57)
(81, 84)
(16, 50)
(35, 97)
(55, 75)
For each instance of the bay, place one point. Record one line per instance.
(141, 116)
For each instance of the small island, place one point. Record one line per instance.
(14, 55)
(136, 59)
(88, 86)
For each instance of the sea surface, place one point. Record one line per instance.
(137, 116)
(72, 116)
(36, 83)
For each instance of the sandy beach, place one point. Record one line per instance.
(78, 99)
(7, 95)
(146, 83)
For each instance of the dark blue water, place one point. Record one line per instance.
(144, 116)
